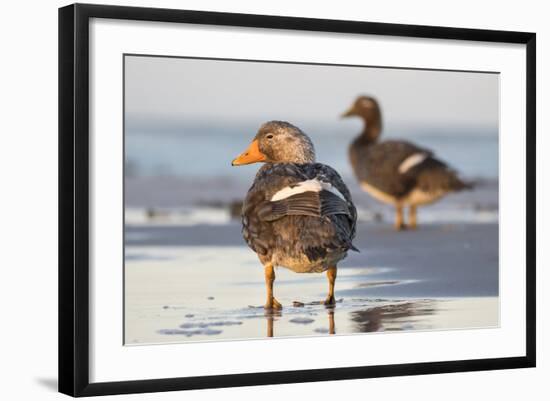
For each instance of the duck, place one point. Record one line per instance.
(298, 214)
(397, 172)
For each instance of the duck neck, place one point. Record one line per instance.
(371, 130)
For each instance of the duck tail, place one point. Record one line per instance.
(353, 248)
(436, 175)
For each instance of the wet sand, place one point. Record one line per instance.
(442, 276)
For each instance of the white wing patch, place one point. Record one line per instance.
(306, 186)
(411, 161)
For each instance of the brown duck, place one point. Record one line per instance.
(297, 214)
(397, 172)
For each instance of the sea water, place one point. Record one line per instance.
(195, 151)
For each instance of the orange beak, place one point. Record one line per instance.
(251, 155)
(348, 113)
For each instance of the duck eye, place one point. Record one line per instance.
(269, 136)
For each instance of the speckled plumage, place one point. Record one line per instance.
(303, 243)
(291, 145)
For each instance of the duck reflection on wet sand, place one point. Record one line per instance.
(352, 316)
(273, 315)
(382, 318)
(391, 317)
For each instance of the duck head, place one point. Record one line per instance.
(367, 108)
(278, 142)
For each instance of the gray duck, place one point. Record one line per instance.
(396, 172)
(297, 214)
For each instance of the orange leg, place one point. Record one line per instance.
(412, 216)
(271, 302)
(399, 224)
(331, 275)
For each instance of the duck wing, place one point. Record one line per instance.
(306, 198)
(397, 167)
(385, 165)
(433, 175)
(344, 223)
(257, 229)
(310, 199)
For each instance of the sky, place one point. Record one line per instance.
(161, 90)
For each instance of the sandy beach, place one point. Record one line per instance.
(177, 289)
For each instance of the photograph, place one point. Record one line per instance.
(283, 199)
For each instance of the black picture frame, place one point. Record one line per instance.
(74, 194)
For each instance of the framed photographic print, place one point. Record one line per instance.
(250, 199)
